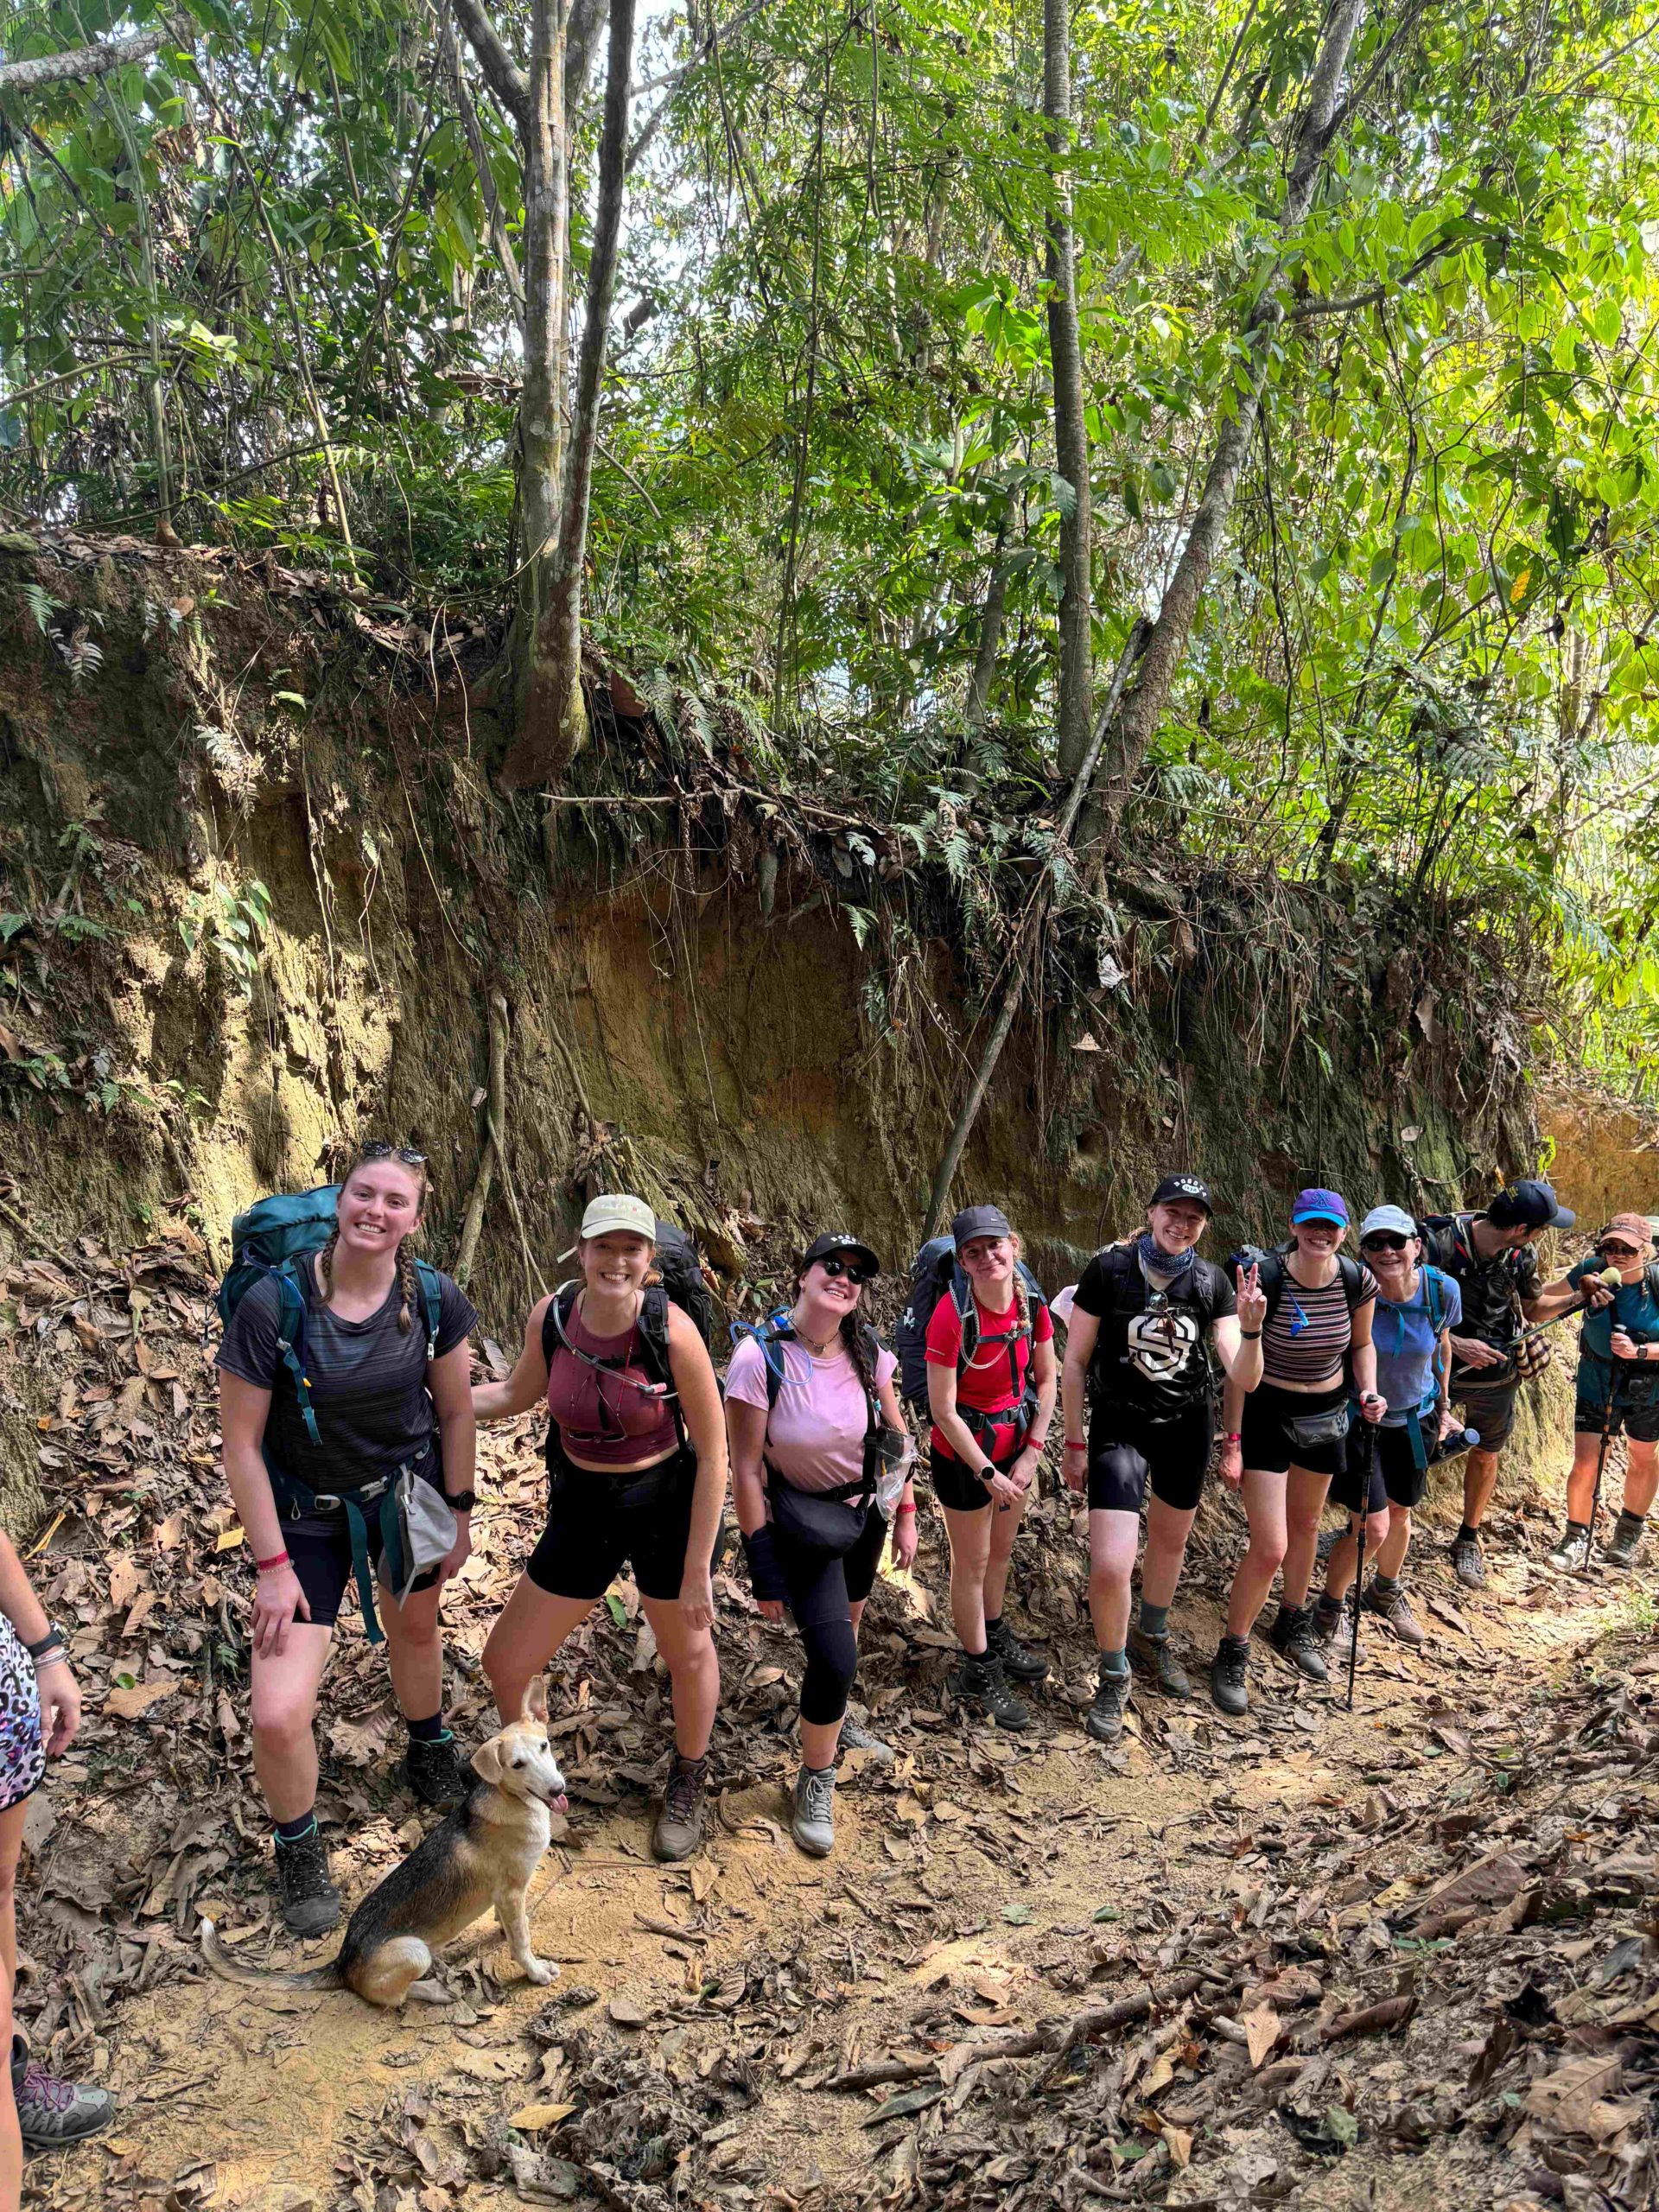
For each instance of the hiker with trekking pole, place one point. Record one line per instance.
(1618, 1392)
(1386, 1468)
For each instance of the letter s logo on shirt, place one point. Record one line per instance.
(1161, 1343)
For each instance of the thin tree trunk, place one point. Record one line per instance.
(544, 746)
(80, 62)
(1073, 715)
(154, 397)
(1144, 708)
(474, 136)
(990, 627)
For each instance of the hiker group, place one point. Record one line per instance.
(348, 1418)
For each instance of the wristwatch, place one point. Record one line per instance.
(54, 1640)
(461, 1501)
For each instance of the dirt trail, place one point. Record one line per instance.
(981, 1881)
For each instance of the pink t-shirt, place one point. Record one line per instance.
(815, 1436)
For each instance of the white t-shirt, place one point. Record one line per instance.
(815, 1436)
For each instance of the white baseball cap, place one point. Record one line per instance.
(619, 1210)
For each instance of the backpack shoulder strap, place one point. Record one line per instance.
(290, 1339)
(1353, 1276)
(556, 1319)
(1651, 1277)
(432, 1299)
(652, 1331)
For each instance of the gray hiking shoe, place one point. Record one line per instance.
(980, 1686)
(1393, 1608)
(813, 1802)
(679, 1824)
(1334, 1625)
(434, 1773)
(52, 2112)
(1292, 1636)
(308, 1899)
(1019, 1664)
(1105, 1720)
(1467, 1564)
(1228, 1670)
(1625, 1543)
(856, 1737)
(1153, 1659)
(1572, 1554)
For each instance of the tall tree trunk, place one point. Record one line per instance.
(1143, 710)
(1072, 716)
(990, 626)
(555, 725)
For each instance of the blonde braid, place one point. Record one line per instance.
(326, 1263)
(1021, 1296)
(409, 1284)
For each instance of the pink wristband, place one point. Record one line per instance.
(269, 1566)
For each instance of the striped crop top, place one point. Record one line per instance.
(1308, 1334)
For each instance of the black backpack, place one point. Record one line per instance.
(1270, 1265)
(1120, 1265)
(675, 1261)
(934, 1271)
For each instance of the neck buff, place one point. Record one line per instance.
(1176, 1265)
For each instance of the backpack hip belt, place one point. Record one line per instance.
(296, 1500)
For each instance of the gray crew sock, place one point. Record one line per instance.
(1154, 1619)
(1115, 1662)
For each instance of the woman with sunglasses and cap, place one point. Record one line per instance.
(1617, 1389)
(991, 1383)
(1291, 1431)
(386, 1379)
(636, 1458)
(1417, 1308)
(818, 1467)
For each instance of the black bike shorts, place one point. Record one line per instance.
(962, 1491)
(1635, 1400)
(1128, 1455)
(319, 1547)
(1266, 1446)
(589, 1538)
(1396, 1479)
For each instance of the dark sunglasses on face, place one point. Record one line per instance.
(1384, 1242)
(855, 1270)
(405, 1153)
(1618, 1251)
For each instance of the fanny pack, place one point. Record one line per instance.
(1306, 1430)
(417, 1527)
(828, 1521)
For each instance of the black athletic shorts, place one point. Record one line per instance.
(319, 1547)
(1128, 1454)
(1266, 1447)
(1636, 1399)
(1395, 1477)
(962, 1491)
(589, 1538)
(1489, 1411)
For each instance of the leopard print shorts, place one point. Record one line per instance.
(23, 1755)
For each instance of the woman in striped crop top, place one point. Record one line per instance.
(1317, 1328)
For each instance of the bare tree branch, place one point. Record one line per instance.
(81, 62)
(501, 73)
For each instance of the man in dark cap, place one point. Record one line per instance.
(1491, 1257)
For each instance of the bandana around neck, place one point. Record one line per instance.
(1176, 1265)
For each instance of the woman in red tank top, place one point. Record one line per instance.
(636, 1466)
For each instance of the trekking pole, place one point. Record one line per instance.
(1601, 1461)
(1367, 1469)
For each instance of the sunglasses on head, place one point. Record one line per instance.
(406, 1154)
(855, 1270)
(1385, 1241)
(1612, 1251)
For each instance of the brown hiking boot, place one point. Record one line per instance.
(679, 1824)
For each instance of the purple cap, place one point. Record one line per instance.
(1320, 1205)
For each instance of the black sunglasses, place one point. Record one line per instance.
(405, 1153)
(1619, 1251)
(855, 1270)
(1384, 1242)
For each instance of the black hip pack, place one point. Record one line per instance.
(828, 1521)
(1307, 1431)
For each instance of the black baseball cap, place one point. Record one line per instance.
(1191, 1187)
(1531, 1204)
(821, 1247)
(979, 1221)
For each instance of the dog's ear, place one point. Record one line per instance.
(487, 1760)
(535, 1705)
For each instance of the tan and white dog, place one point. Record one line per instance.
(483, 1855)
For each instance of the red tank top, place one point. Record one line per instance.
(602, 1415)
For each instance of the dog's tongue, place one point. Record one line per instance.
(560, 1804)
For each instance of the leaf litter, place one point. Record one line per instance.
(1217, 1966)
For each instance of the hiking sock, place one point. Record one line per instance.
(1466, 1536)
(428, 1731)
(1576, 1528)
(1154, 1619)
(1115, 1662)
(991, 1627)
(291, 1831)
(1385, 1584)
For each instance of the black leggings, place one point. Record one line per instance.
(822, 1592)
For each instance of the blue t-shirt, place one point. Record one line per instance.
(1633, 1307)
(1405, 1337)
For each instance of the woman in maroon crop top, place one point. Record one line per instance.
(637, 1475)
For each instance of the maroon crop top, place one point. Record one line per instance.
(603, 1414)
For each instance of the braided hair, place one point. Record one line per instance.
(407, 1280)
(1022, 1295)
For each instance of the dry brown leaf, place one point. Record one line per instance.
(628, 2011)
(1569, 2098)
(124, 1582)
(132, 1704)
(228, 1539)
(1374, 2019)
(1262, 2031)
(530, 2118)
(704, 1875)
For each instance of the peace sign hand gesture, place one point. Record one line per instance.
(1252, 1298)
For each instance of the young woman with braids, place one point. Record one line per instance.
(810, 1402)
(380, 1405)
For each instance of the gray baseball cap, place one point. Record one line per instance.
(979, 1221)
(1395, 1219)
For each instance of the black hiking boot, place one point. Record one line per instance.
(1467, 1562)
(309, 1901)
(1228, 1670)
(434, 1771)
(979, 1685)
(1018, 1663)
(679, 1824)
(1153, 1659)
(1292, 1636)
(1105, 1720)
(1623, 1546)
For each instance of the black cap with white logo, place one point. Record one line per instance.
(1193, 1188)
(821, 1246)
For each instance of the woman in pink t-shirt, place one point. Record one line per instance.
(813, 1423)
